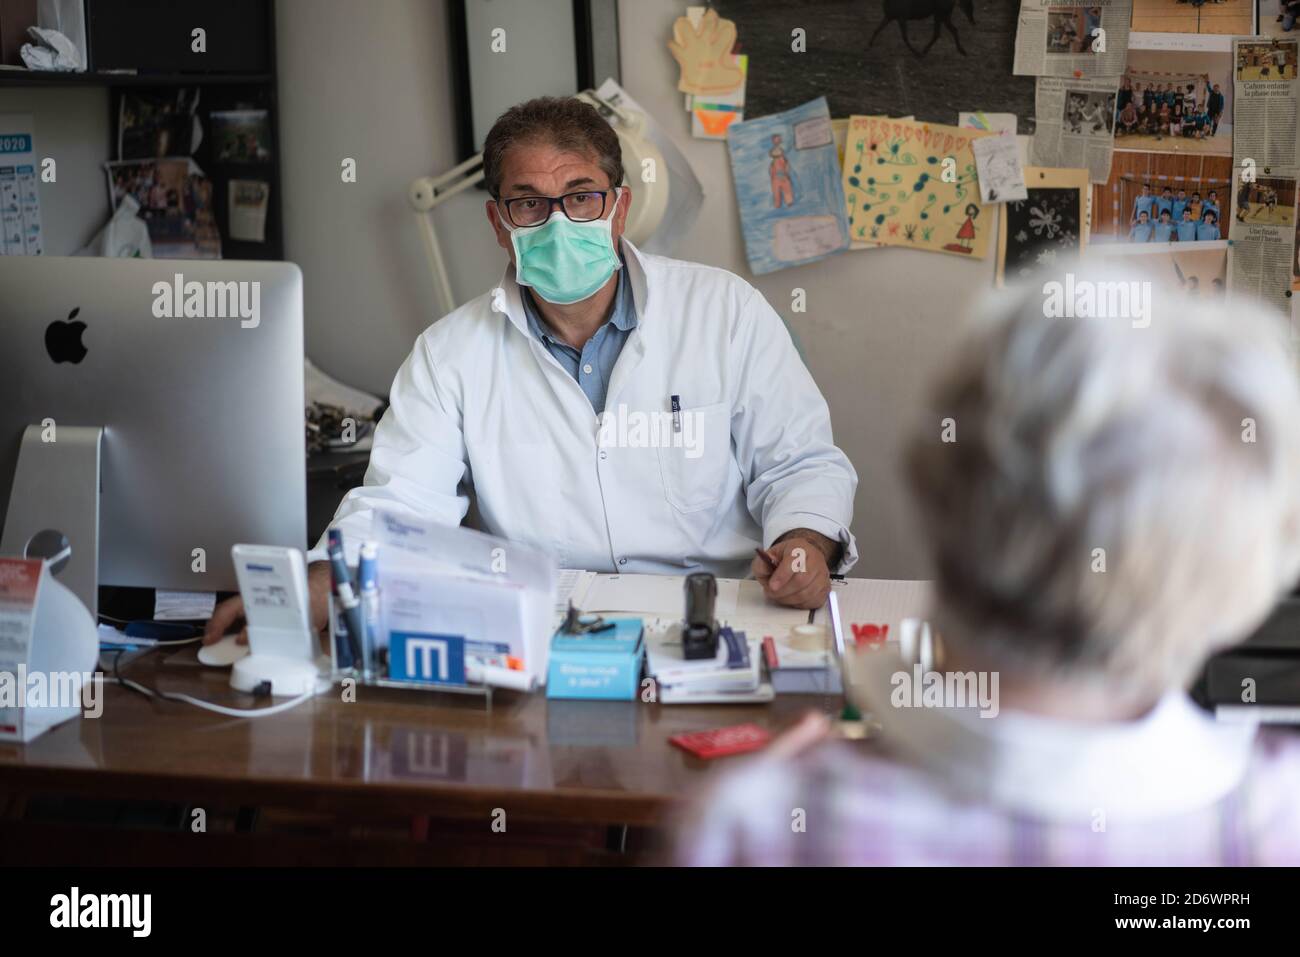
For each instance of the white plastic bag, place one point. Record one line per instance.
(69, 18)
(125, 236)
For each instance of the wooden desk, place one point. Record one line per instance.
(389, 754)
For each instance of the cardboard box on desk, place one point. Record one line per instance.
(603, 665)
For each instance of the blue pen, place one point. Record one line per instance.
(368, 583)
(342, 647)
(346, 598)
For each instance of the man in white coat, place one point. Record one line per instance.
(627, 412)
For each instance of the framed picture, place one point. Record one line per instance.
(506, 51)
(1051, 223)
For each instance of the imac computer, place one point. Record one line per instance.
(151, 416)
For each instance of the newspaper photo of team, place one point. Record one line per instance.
(1169, 109)
(1175, 217)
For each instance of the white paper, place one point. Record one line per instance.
(997, 159)
(183, 605)
(661, 595)
(878, 603)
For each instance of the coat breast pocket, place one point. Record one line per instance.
(694, 462)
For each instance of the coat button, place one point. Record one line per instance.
(622, 561)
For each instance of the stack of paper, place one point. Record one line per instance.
(711, 680)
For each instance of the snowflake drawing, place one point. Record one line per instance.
(1044, 221)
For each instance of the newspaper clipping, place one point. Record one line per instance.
(1072, 38)
(1076, 125)
(1262, 251)
(1264, 112)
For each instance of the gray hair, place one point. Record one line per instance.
(1120, 498)
(564, 122)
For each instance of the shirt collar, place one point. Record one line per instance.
(623, 315)
(1173, 760)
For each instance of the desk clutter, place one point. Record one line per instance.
(501, 615)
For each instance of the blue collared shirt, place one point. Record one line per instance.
(593, 366)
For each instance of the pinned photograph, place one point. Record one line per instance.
(1278, 18)
(1267, 60)
(1163, 198)
(1176, 101)
(1088, 112)
(1269, 201)
(175, 201)
(241, 136)
(1200, 270)
(1222, 17)
(1070, 29)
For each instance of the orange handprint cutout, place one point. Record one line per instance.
(704, 55)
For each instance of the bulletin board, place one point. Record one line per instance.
(861, 75)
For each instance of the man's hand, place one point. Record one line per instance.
(230, 613)
(799, 574)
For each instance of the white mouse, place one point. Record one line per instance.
(223, 653)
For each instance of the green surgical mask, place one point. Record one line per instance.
(563, 261)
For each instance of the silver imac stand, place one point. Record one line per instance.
(54, 506)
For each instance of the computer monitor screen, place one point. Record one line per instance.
(194, 371)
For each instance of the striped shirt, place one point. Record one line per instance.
(1172, 788)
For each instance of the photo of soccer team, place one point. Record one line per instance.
(1164, 198)
(1169, 216)
(1176, 101)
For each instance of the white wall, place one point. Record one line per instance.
(71, 126)
(372, 81)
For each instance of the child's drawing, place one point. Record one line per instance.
(788, 187)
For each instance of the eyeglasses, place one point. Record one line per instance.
(582, 207)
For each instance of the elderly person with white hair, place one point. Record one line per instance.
(1122, 498)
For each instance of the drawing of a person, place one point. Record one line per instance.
(778, 172)
(966, 235)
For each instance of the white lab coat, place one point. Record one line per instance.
(480, 407)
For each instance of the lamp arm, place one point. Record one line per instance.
(425, 195)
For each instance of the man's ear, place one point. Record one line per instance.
(498, 225)
(624, 196)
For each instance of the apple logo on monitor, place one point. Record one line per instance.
(63, 339)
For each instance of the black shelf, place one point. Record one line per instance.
(153, 35)
(42, 78)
